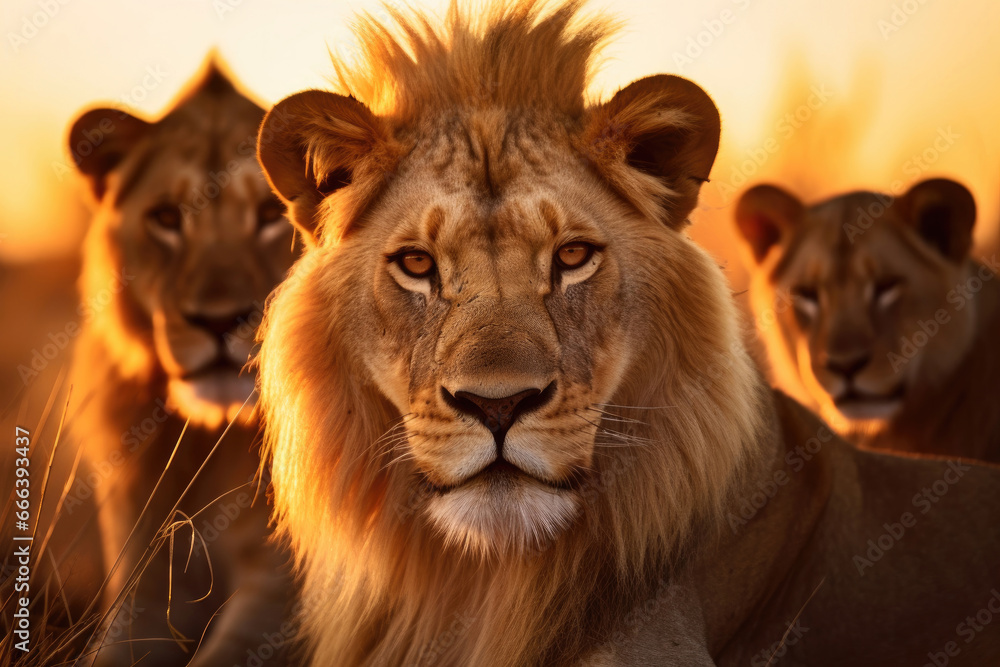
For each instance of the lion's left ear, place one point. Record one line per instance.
(943, 212)
(655, 142)
(314, 144)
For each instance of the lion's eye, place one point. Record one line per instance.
(165, 216)
(573, 255)
(270, 211)
(887, 290)
(415, 263)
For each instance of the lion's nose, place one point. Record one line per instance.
(499, 414)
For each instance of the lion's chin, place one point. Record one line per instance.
(211, 400)
(503, 514)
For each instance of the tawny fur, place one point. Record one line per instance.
(643, 559)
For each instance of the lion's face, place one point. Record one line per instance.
(201, 241)
(493, 292)
(856, 293)
(499, 327)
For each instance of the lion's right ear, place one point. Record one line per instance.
(314, 144)
(99, 140)
(764, 214)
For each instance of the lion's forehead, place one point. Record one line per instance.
(490, 153)
(469, 198)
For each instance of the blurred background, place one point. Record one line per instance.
(820, 97)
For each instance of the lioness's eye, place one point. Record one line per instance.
(415, 263)
(573, 255)
(165, 216)
(806, 294)
(886, 291)
(270, 211)
(886, 285)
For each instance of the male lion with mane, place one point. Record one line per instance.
(892, 327)
(510, 418)
(186, 243)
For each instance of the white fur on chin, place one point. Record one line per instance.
(500, 514)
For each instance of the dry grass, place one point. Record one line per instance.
(58, 636)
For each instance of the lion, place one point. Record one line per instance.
(509, 413)
(873, 307)
(186, 244)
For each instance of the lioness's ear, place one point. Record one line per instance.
(315, 143)
(943, 212)
(655, 141)
(99, 140)
(764, 214)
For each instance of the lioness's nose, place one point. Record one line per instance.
(847, 364)
(220, 325)
(499, 414)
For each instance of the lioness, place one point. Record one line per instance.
(875, 307)
(186, 243)
(510, 416)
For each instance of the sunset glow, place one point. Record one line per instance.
(905, 90)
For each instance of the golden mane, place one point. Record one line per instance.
(348, 507)
(511, 55)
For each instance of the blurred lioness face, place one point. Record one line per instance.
(864, 293)
(187, 215)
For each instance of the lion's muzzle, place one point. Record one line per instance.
(499, 414)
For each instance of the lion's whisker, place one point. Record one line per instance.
(638, 407)
(611, 416)
(625, 437)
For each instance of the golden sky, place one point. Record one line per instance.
(886, 80)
